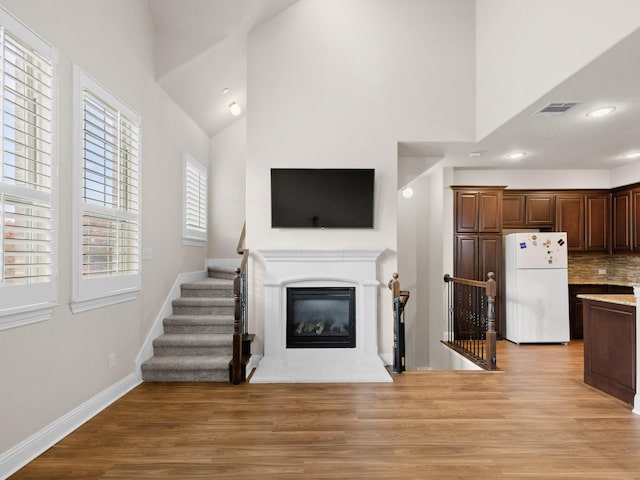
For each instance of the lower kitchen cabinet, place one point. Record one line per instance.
(576, 306)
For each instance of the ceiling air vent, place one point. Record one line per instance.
(556, 108)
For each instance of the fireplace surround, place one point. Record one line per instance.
(327, 268)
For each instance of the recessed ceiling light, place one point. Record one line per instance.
(516, 155)
(407, 192)
(225, 91)
(475, 154)
(601, 112)
(631, 155)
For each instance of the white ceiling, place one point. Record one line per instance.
(201, 49)
(570, 141)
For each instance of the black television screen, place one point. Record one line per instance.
(322, 198)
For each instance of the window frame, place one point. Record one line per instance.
(100, 291)
(31, 303)
(193, 236)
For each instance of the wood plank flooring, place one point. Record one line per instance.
(534, 419)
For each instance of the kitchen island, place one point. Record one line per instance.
(609, 323)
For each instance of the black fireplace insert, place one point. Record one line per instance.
(323, 317)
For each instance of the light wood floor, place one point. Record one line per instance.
(536, 419)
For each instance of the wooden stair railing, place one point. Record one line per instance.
(241, 339)
(471, 319)
(400, 299)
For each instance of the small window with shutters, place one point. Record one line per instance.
(106, 249)
(28, 184)
(194, 224)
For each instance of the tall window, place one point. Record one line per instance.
(107, 167)
(28, 187)
(194, 224)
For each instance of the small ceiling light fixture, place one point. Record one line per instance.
(474, 154)
(516, 155)
(631, 155)
(407, 192)
(225, 90)
(235, 109)
(601, 112)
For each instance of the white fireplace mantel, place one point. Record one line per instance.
(293, 268)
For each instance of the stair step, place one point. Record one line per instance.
(208, 287)
(222, 272)
(203, 306)
(193, 344)
(204, 324)
(186, 369)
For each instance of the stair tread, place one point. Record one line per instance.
(209, 283)
(191, 339)
(190, 362)
(203, 301)
(199, 319)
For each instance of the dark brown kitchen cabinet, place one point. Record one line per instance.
(478, 211)
(528, 210)
(540, 210)
(570, 216)
(576, 306)
(598, 223)
(625, 213)
(478, 237)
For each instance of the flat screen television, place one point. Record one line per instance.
(322, 197)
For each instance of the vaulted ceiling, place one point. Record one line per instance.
(201, 50)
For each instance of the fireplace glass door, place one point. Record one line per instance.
(321, 317)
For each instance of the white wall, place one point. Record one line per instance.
(525, 48)
(337, 83)
(48, 369)
(227, 189)
(538, 179)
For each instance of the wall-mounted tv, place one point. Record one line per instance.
(322, 197)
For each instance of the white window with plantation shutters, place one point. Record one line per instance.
(28, 183)
(106, 250)
(194, 224)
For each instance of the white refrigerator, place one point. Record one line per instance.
(536, 287)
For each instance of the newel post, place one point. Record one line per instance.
(490, 291)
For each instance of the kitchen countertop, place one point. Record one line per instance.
(611, 298)
(592, 281)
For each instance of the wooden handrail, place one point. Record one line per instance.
(481, 350)
(240, 311)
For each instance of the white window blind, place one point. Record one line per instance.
(108, 186)
(195, 201)
(27, 178)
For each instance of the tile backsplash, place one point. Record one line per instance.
(621, 269)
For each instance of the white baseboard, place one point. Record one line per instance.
(17, 457)
(387, 358)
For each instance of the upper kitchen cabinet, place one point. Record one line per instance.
(570, 216)
(626, 220)
(585, 218)
(478, 211)
(528, 210)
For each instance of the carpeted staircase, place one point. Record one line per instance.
(197, 342)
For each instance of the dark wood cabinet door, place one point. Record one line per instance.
(635, 219)
(490, 260)
(540, 210)
(490, 212)
(621, 220)
(570, 219)
(513, 211)
(598, 224)
(466, 212)
(466, 256)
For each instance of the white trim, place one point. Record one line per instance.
(34, 303)
(98, 292)
(387, 358)
(18, 456)
(157, 328)
(27, 315)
